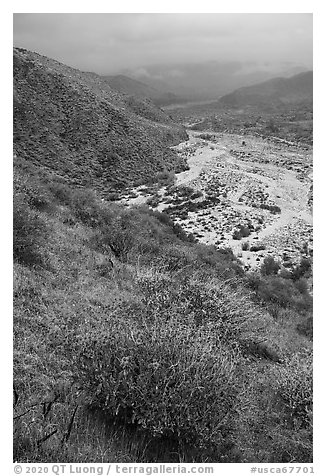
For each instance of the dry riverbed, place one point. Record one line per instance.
(246, 193)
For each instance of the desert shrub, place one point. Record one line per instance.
(193, 302)
(269, 266)
(236, 235)
(170, 378)
(206, 136)
(177, 229)
(302, 285)
(272, 208)
(190, 206)
(306, 327)
(257, 247)
(185, 191)
(302, 269)
(242, 232)
(274, 421)
(86, 207)
(113, 196)
(175, 257)
(153, 201)
(285, 274)
(274, 289)
(136, 232)
(222, 260)
(245, 246)
(168, 360)
(29, 234)
(197, 194)
(294, 388)
(33, 192)
(63, 193)
(163, 217)
(114, 238)
(39, 198)
(165, 178)
(182, 234)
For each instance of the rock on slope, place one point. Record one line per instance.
(73, 123)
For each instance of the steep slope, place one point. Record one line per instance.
(75, 124)
(294, 90)
(126, 85)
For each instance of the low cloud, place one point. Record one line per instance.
(107, 43)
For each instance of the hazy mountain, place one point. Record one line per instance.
(211, 79)
(131, 86)
(75, 124)
(293, 90)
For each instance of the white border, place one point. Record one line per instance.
(319, 181)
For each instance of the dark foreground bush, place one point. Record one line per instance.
(257, 247)
(302, 269)
(241, 232)
(272, 208)
(169, 377)
(245, 246)
(168, 362)
(269, 266)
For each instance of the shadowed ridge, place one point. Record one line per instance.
(75, 124)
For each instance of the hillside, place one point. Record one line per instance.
(209, 79)
(133, 341)
(293, 90)
(75, 124)
(125, 85)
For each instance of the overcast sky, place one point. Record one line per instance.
(110, 42)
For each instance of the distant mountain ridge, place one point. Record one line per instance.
(296, 89)
(209, 79)
(130, 86)
(75, 124)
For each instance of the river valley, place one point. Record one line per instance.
(246, 193)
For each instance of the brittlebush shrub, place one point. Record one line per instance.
(170, 378)
(168, 360)
(191, 301)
